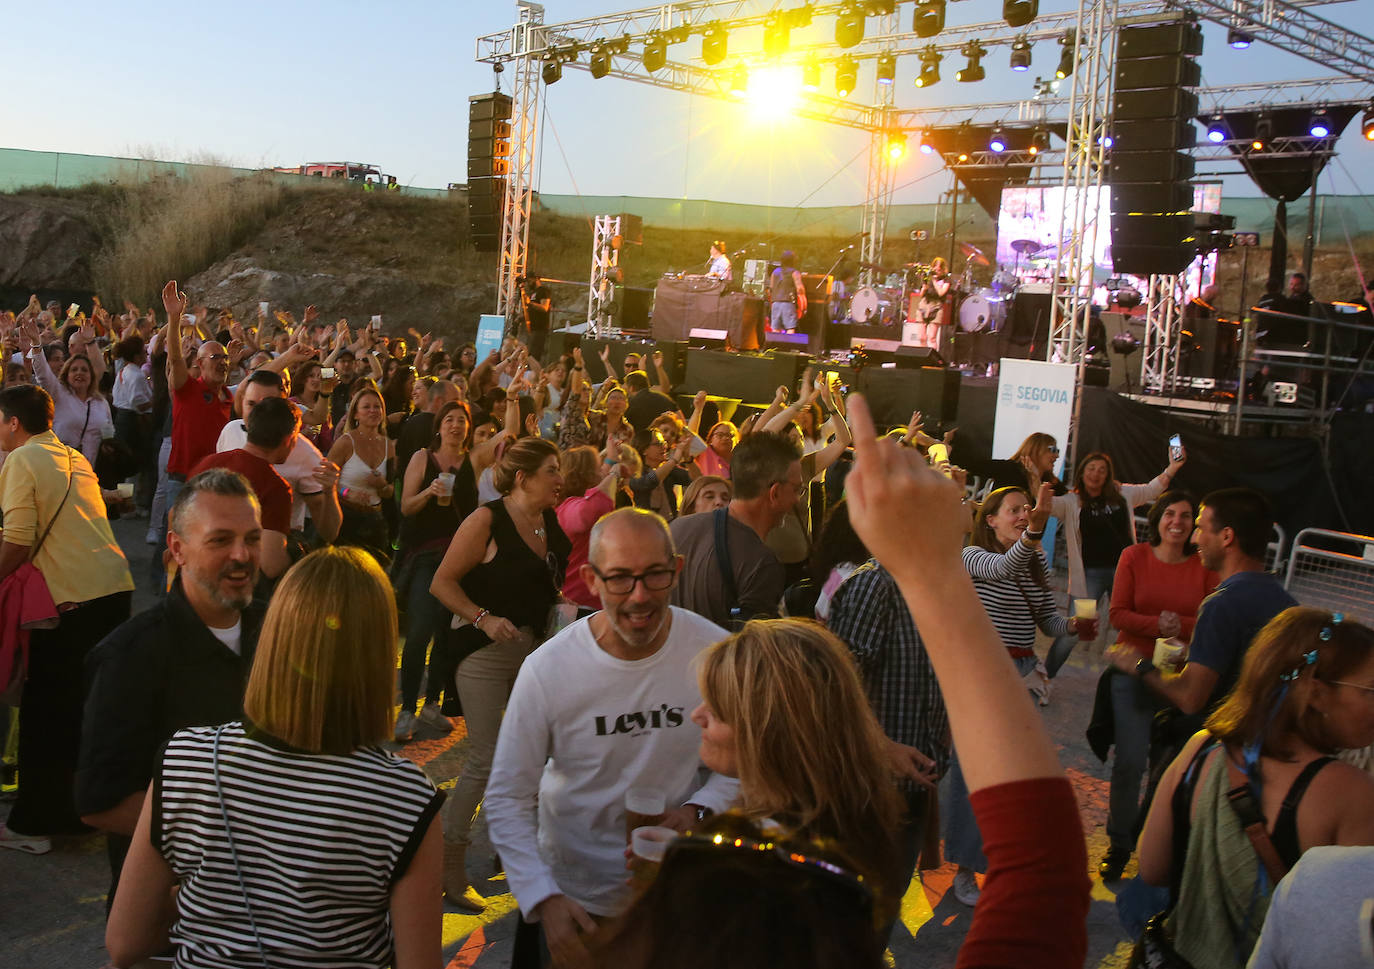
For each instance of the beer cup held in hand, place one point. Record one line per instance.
(644, 807)
(1169, 654)
(649, 844)
(1085, 608)
(445, 481)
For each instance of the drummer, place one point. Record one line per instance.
(718, 265)
(932, 304)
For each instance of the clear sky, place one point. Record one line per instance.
(262, 84)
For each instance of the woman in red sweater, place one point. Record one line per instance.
(1159, 585)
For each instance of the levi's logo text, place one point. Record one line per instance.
(652, 719)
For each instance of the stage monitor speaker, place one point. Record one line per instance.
(1030, 319)
(799, 341)
(912, 357)
(753, 378)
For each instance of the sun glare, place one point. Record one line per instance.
(774, 92)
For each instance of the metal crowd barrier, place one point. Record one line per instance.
(1333, 570)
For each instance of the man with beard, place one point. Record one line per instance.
(182, 663)
(601, 707)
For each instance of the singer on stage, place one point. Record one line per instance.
(932, 304)
(718, 266)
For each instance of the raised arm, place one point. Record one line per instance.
(174, 302)
(698, 405)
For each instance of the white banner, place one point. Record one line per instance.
(1032, 396)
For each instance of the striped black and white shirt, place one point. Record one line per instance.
(1014, 601)
(321, 841)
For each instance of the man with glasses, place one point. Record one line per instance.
(602, 707)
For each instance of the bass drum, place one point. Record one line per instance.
(866, 307)
(982, 310)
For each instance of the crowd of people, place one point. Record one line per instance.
(812, 648)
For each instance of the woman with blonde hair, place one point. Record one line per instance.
(706, 493)
(364, 455)
(771, 697)
(590, 485)
(500, 578)
(1306, 691)
(293, 836)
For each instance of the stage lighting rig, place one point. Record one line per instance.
(1021, 54)
(997, 143)
(846, 76)
(678, 34)
(1264, 132)
(552, 71)
(713, 44)
(1320, 125)
(799, 16)
(1216, 129)
(1040, 141)
(923, 144)
(600, 58)
(1018, 13)
(775, 29)
(1238, 39)
(1367, 123)
(929, 18)
(811, 75)
(896, 147)
(973, 70)
(1069, 43)
(655, 52)
(849, 25)
(887, 69)
(930, 67)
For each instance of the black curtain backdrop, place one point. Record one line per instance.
(1291, 471)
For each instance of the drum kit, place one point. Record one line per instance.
(973, 309)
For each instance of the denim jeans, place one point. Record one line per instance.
(424, 619)
(1099, 582)
(1133, 710)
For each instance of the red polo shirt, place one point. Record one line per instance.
(274, 494)
(198, 415)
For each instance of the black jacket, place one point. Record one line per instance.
(156, 673)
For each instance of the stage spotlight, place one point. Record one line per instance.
(678, 34)
(600, 59)
(846, 76)
(963, 156)
(998, 142)
(973, 70)
(1239, 39)
(739, 81)
(1040, 141)
(1070, 44)
(849, 26)
(923, 144)
(887, 69)
(1367, 123)
(1018, 13)
(1021, 54)
(655, 52)
(1264, 131)
(896, 147)
(798, 16)
(929, 18)
(811, 75)
(553, 69)
(713, 44)
(1320, 125)
(930, 68)
(1105, 140)
(1216, 129)
(774, 35)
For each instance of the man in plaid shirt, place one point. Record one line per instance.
(870, 615)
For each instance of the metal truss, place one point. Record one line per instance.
(1293, 28)
(1306, 93)
(525, 36)
(1089, 102)
(880, 180)
(1163, 317)
(605, 275)
(1306, 146)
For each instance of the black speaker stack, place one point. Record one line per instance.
(489, 150)
(1151, 163)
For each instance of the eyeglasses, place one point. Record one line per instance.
(217, 356)
(1053, 449)
(623, 583)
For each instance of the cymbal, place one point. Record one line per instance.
(1026, 246)
(973, 253)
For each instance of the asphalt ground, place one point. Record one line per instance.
(52, 907)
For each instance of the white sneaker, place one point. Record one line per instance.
(966, 887)
(432, 716)
(405, 727)
(28, 843)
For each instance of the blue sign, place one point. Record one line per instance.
(490, 330)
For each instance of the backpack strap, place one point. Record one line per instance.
(1251, 816)
(727, 568)
(1181, 806)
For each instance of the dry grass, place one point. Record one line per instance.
(170, 228)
